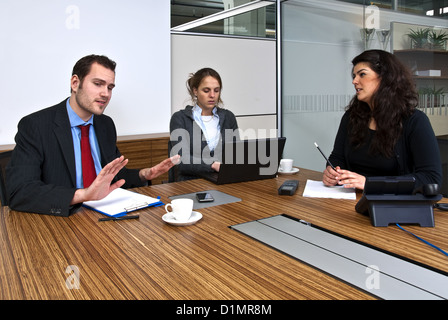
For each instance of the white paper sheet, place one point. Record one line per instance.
(317, 189)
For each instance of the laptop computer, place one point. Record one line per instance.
(248, 160)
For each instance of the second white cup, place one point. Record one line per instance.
(181, 209)
(286, 165)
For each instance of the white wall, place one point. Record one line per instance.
(42, 40)
(247, 68)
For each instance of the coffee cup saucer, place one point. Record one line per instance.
(293, 171)
(195, 217)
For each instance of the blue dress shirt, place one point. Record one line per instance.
(76, 121)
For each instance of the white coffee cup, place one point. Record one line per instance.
(286, 165)
(181, 209)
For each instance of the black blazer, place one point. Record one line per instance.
(416, 151)
(41, 174)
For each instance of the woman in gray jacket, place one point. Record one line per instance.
(198, 132)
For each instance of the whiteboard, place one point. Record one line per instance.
(40, 41)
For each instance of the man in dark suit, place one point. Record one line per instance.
(45, 171)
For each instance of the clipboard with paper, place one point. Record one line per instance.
(121, 201)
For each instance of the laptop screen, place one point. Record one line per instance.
(246, 160)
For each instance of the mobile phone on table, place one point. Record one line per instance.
(204, 197)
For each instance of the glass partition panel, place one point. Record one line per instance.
(432, 8)
(319, 40)
(249, 24)
(424, 50)
(245, 18)
(183, 11)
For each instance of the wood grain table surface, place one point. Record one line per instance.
(56, 258)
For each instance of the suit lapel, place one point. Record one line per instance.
(101, 132)
(64, 136)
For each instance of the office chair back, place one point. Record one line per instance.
(4, 160)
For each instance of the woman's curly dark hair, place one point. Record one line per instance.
(395, 99)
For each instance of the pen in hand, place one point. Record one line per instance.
(328, 161)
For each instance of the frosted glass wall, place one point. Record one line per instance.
(319, 40)
(318, 44)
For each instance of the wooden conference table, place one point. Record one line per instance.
(150, 259)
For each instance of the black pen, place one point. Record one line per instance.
(325, 156)
(135, 216)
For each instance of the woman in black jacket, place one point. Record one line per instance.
(382, 133)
